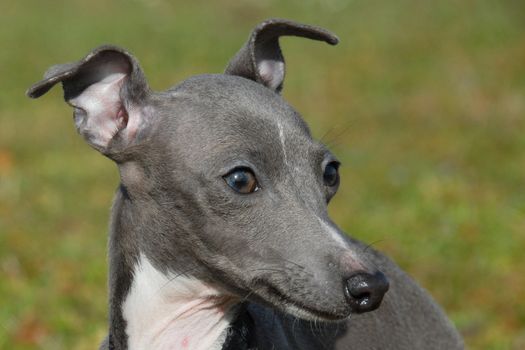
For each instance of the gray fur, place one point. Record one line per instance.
(173, 205)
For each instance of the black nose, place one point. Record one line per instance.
(364, 292)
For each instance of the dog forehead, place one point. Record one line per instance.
(215, 121)
(229, 109)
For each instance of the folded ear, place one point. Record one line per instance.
(261, 60)
(107, 90)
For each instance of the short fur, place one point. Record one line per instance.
(274, 256)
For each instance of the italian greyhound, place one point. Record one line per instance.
(220, 237)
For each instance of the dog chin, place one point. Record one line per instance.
(303, 311)
(314, 315)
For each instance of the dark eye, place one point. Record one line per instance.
(331, 174)
(242, 180)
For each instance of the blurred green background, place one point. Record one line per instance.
(422, 101)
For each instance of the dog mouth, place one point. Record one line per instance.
(299, 308)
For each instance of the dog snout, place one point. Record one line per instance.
(365, 291)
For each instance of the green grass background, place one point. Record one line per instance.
(423, 101)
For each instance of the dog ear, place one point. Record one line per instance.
(261, 60)
(107, 90)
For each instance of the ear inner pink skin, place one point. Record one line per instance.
(135, 118)
(104, 115)
(272, 72)
(122, 118)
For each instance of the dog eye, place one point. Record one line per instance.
(331, 174)
(242, 180)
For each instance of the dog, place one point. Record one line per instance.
(219, 235)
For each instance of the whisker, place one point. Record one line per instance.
(336, 137)
(368, 246)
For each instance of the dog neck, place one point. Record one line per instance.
(165, 311)
(153, 308)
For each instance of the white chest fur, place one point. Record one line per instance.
(174, 312)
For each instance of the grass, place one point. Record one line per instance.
(424, 103)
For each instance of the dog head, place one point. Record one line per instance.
(227, 183)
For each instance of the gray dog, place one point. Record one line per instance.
(220, 237)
